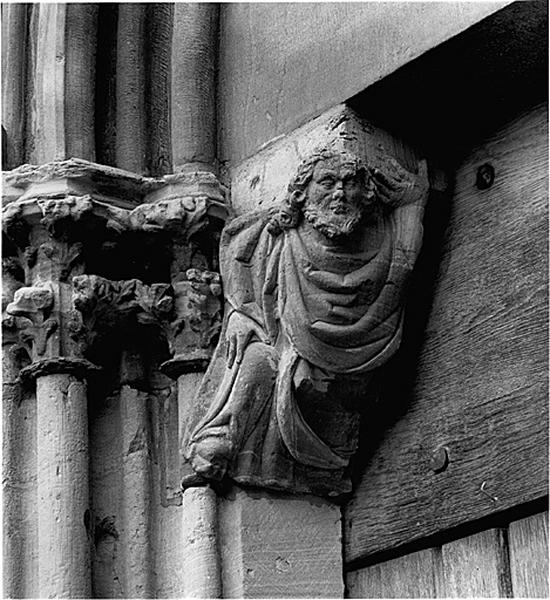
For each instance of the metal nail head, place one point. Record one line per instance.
(485, 176)
(440, 459)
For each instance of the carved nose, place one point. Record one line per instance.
(338, 193)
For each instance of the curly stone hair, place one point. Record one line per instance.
(288, 214)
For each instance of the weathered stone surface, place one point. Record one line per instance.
(315, 293)
(201, 555)
(282, 64)
(63, 497)
(261, 181)
(279, 546)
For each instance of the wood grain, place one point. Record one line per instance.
(282, 64)
(480, 387)
(476, 567)
(410, 576)
(528, 543)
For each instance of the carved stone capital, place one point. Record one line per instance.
(180, 217)
(68, 216)
(73, 187)
(48, 333)
(194, 332)
(33, 306)
(106, 305)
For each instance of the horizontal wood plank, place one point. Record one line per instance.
(528, 542)
(476, 567)
(479, 382)
(410, 576)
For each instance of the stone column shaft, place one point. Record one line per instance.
(201, 558)
(63, 495)
(14, 539)
(193, 101)
(136, 466)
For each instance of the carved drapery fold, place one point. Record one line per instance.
(315, 290)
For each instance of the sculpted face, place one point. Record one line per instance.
(336, 198)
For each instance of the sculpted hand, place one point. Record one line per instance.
(240, 330)
(395, 186)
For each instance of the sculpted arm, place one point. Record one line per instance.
(406, 194)
(241, 329)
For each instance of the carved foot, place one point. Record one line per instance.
(211, 456)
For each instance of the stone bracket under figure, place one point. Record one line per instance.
(315, 292)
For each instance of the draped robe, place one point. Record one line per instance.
(320, 310)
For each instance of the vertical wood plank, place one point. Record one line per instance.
(528, 543)
(410, 576)
(476, 566)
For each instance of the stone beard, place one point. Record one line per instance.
(315, 297)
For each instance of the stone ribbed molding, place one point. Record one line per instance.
(63, 222)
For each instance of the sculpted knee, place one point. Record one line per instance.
(259, 366)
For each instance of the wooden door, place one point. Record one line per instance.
(452, 497)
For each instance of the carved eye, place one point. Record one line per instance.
(327, 182)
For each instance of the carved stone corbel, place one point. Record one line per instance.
(316, 290)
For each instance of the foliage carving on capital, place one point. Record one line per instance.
(58, 213)
(193, 333)
(182, 216)
(105, 304)
(32, 307)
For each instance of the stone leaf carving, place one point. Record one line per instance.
(60, 213)
(314, 295)
(198, 310)
(33, 307)
(184, 216)
(106, 304)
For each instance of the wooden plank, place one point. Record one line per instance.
(476, 567)
(282, 64)
(411, 576)
(480, 385)
(528, 542)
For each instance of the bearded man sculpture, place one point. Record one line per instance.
(315, 294)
